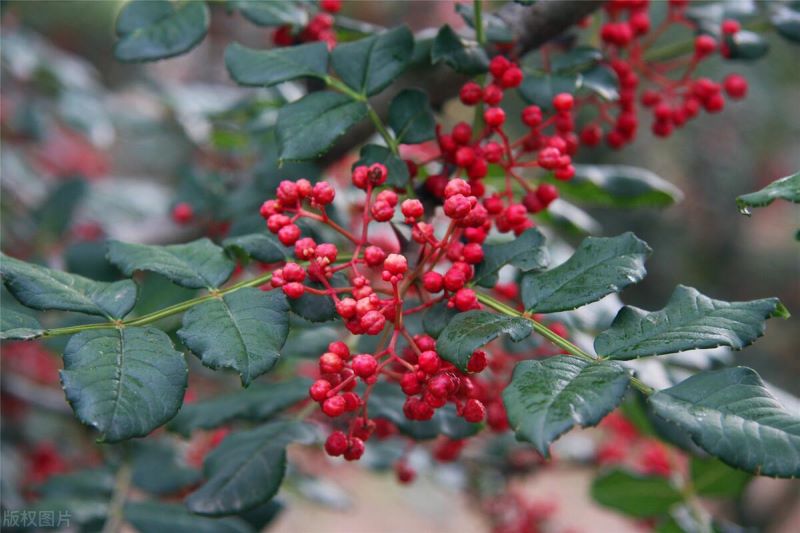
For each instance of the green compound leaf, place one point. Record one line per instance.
(386, 401)
(397, 170)
(257, 403)
(600, 266)
(689, 321)
(149, 30)
(547, 398)
(123, 382)
(469, 331)
(243, 330)
(411, 117)
(731, 415)
(634, 494)
(174, 517)
(46, 289)
(269, 67)
(195, 265)
(465, 57)
(247, 469)
(273, 12)
(369, 65)
(18, 326)
(787, 188)
(526, 252)
(307, 127)
(714, 479)
(258, 246)
(618, 186)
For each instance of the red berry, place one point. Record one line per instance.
(377, 174)
(465, 156)
(465, 299)
(340, 349)
(351, 401)
(457, 186)
(355, 450)
(323, 193)
(432, 281)
(429, 362)
(471, 93)
(735, 85)
(492, 95)
(374, 256)
(294, 289)
(330, 363)
(730, 26)
(564, 173)
(331, 6)
(714, 104)
(532, 116)
(704, 45)
(334, 406)
(454, 280)
(474, 411)
(410, 384)
(546, 193)
(532, 203)
(182, 213)
(494, 117)
(405, 474)
(336, 443)
(477, 362)
(498, 66)
(289, 234)
(462, 133)
(372, 322)
(327, 251)
(591, 135)
(511, 78)
(563, 102)
(473, 253)
(364, 365)
(319, 390)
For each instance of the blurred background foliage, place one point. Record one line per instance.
(94, 148)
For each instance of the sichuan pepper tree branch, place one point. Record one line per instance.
(531, 26)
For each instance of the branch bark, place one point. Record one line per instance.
(532, 26)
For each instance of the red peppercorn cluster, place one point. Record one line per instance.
(667, 88)
(385, 284)
(319, 27)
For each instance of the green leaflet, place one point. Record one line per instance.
(307, 127)
(468, 331)
(124, 382)
(149, 30)
(689, 321)
(619, 186)
(787, 188)
(411, 117)
(369, 65)
(598, 267)
(547, 398)
(195, 265)
(256, 403)
(247, 469)
(43, 288)
(731, 415)
(634, 494)
(248, 66)
(526, 252)
(243, 330)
